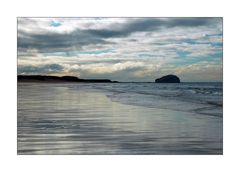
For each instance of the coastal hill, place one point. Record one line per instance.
(44, 78)
(168, 79)
(54, 79)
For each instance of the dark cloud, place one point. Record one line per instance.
(136, 25)
(56, 42)
(44, 69)
(190, 22)
(47, 42)
(149, 24)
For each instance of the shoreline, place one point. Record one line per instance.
(83, 121)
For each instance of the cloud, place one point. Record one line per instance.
(49, 41)
(56, 42)
(126, 48)
(201, 71)
(43, 69)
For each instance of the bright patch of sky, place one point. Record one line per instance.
(55, 24)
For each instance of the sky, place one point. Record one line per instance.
(122, 49)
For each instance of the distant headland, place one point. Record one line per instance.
(52, 79)
(168, 79)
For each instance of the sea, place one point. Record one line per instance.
(120, 118)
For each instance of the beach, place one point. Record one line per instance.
(120, 118)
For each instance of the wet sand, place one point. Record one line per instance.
(54, 119)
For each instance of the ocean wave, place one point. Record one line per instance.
(201, 98)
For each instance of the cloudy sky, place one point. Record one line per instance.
(123, 49)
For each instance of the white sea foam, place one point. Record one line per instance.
(202, 98)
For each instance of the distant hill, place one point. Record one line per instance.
(44, 78)
(168, 79)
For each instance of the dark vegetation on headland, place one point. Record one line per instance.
(53, 79)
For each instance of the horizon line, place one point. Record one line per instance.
(116, 80)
